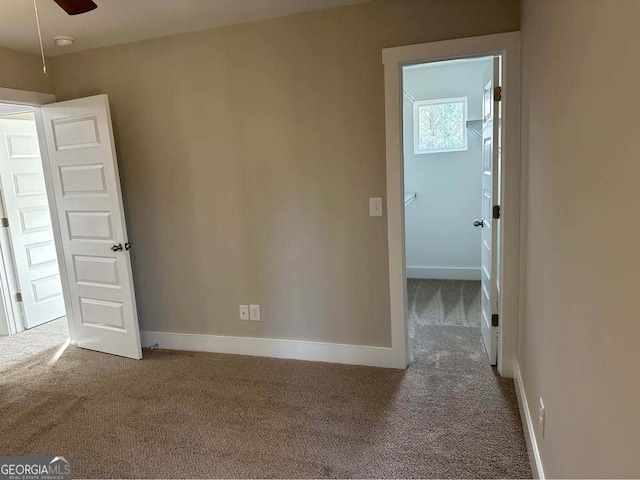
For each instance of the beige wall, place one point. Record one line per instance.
(247, 158)
(23, 71)
(579, 338)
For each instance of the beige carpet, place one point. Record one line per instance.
(198, 415)
(14, 350)
(443, 303)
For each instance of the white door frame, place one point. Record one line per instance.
(508, 46)
(37, 99)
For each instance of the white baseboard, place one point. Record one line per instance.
(527, 424)
(275, 348)
(444, 273)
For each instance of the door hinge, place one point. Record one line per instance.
(4, 222)
(18, 297)
(497, 94)
(494, 320)
(496, 211)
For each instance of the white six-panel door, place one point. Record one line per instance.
(88, 199)
(490, 185)
(26, 207)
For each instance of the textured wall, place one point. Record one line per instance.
(579, 331)
(23, 71)
(248, 155)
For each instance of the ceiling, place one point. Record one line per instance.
(123, 21)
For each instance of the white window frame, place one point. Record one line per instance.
(416, 125)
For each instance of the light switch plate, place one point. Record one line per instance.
(254, 313)
(375, 207)
(244, 312)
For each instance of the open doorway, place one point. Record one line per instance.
(66, 251)
(504, 89)
(32, 294)
(451, 137)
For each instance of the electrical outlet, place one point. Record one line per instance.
(254, 313)
(541, 417)
(375, 207)
(244, 312)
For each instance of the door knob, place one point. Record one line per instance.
(127, 246)
(117, 248)
(478, 223)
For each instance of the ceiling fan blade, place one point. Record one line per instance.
(76, 7)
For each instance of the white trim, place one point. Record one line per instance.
(10, 109)
(416, 125)
(274, 348)
(12, 313)
(37, 99)
(527, 424)
(24, 97)
(465, 61)
(57, 233)
(508, 46)
(445, 273)
(8, 324)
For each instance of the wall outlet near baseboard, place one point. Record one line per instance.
(254, 313)
(541, 417)
(244, 312)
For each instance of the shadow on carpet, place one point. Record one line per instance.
(185, 415)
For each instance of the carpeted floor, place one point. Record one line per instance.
(14, 350)
(198, 415)
(442, 303)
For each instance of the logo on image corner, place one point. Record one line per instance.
(35, 468)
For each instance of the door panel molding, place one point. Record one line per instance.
(507, 45)
(32, 251)
(11, 320)
(90, 214)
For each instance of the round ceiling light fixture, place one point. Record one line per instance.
(63, 41)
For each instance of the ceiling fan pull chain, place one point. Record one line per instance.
(44, 63)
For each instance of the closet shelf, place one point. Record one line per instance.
(409, 197)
